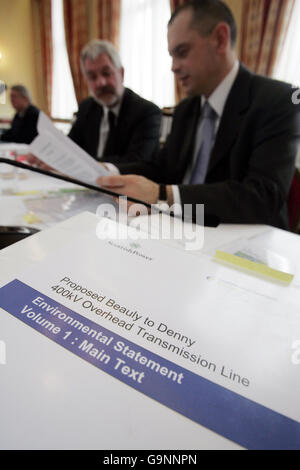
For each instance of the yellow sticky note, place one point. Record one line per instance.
(258, 268)
(31, 218)
(27, 193)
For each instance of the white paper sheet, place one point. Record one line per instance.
(61, 153)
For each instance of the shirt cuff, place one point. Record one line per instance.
(176, 201)
(112, 168)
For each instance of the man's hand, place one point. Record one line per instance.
(134, 186)
(104, 166)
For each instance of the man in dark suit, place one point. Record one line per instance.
(24, 125)
(234, 140)
(115, 124)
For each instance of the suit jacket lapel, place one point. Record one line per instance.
(110, 145)
(115, 133)
(237, 103)
(188, 143)
(93, 130)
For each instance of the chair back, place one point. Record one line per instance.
(294, 203)
(166, 124)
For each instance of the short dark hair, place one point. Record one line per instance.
(207, 14)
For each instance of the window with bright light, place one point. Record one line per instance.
(64, 102)
(288, 65)
(144, 49)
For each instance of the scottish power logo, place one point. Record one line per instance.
(125, 224)
(131, 248)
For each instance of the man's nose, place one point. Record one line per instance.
(101, 81)
(175, 66)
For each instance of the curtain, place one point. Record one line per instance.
(287, 67)
(264, 27)
(179, 92)
(64, 103)
(76, 30)
(144, 50)
(294, 203)
(42, 30)
(108, 13)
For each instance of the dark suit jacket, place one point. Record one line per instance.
(135, 136)
(23, 128)
(253, 159)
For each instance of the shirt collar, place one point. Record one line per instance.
(23, 112)
(218, 98)
(115, 109)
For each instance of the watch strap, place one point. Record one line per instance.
(162, 196)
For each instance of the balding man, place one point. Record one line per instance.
(24, 125)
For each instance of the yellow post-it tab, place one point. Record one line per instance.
(27, 193)
(31, 218)
(258, 268)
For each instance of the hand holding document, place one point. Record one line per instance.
(61, 153)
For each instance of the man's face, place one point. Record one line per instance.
(18, 101)
(194, 59)
(104, 79)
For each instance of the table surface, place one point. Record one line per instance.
(39, 201)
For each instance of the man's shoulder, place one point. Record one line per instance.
(265, 84)
(88, 108)
(87, 103)
(33, 110)
(263, 89)
(132, 99)
(187, 106)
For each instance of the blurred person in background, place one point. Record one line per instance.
(24, 124)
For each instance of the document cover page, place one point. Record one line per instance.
(164, 323)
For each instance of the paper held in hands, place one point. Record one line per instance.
(61, 153)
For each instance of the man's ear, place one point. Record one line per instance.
(122, 73)
(221, 37)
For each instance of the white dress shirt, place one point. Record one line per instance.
(104, 127)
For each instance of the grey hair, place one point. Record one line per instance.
(22, 90)
(95, 48)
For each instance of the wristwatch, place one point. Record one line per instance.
(162, 195)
